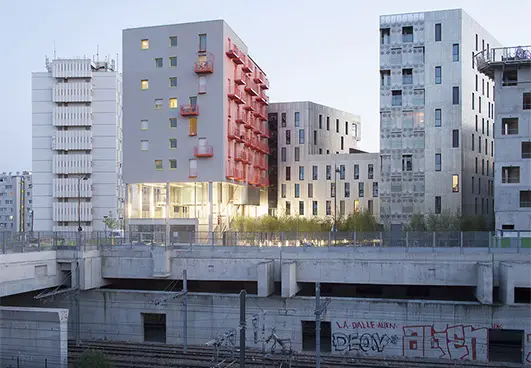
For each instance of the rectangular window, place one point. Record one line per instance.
(328, 123)
(510, 77)
(173, 41)
(488, 90)
(396, 98)
(173, 164)
(375, 189)
(202, 42)
(342, 143)
(526, 101)
(407, 163)
(455, 95)
(315, 137)
(337, 125)
(473, 188)
(341, 172)
(297, 154)
(173, 61)
(288, 173)
(144, 44)
(310, 190)
(288, 136)
(297, 119)
(173, 82)
(283, 154)
(476, 165)
(341, 208)
(288, 208)
(282, 190)
(438, 162)
(509, 126)
(438, 205)
(301, 172)
(488, 128)
(144, 84)
(526, 149)
(173, 122)
(158, 62)
(158, 103)
(347, 190)
(328, 208)
(492, 147)
(407, 76)
(158, 164)
(479, 104)
(315, 173)
(173, 143)
(346, 127)
(455, 52)
(438, 32)
(438, 74)
(297, 190)
(144, 145)
(332, 190)
(477, 129)
(320, 121)
(438, 117)
(361, 189)
(455, 138)
(488, 167)
(370, 171)
(315, 208)
(483, 86)
(385, 36)
(301, 208)
(479, 144)
(510, 174)
(455, 183)
(473, 101)
(192, 131)
(486, 146)
(283, 119)
(356, 172)
(525, 198)
(144, 124)
(473, 141)
(407, 34)
(482, 166)
(172, 103)
(301, 136)
(328, 172)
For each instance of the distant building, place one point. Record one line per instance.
(16, 202)
(77, 145)
(510, 69)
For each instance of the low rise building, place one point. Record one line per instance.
(16, 214)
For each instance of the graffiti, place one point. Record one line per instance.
(497, 326)
(453, 342)
(528, 340)
(365, 324)
(362, 342)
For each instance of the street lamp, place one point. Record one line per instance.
(84, 177)
(105, 222)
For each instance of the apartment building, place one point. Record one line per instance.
(436, 116)
(316, 153)
(195, 139)
(16, 213)
(77, 145)
(510, 69)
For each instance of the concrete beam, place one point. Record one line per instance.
(161, 262)
(289, 284)
(266, 281)
(485, 282)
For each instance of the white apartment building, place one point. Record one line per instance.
(510, 68)
(437, 116)
(316, 151)
(77, 145)
(16, 201)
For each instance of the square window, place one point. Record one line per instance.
(173, 143)
(173, 82)
(144, 124)
(173, 103)
(158, 164)
(407, 34)
(144, 145)
(144, 84)
(173, 164)
(158, 103)
(158, 62)
(173, 61)
(144, 44)
(173, 122)
(173, 41)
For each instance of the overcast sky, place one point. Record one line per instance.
(323, 51)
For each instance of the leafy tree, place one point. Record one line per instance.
(111, 222)
(93, 359)
(358, 221)
(416, 223)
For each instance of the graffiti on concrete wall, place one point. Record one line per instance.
(528, 341)
(364, 342)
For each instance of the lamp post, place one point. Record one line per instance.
(84, 177)
(105, 223)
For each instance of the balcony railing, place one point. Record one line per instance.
(516, 54)
(248, 66)
(259, 77)
(236, 94)
(204, 67)
(250, 87)
(234, 53)
(263, 98)
(265, 85)
(204, 151)
(241, 117)
(241, 155)
(234, 131)
(189, 110)
(240, 78)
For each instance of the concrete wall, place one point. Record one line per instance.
(33, 337)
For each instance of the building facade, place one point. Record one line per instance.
(436, 116)
(315, 152)
(16, 214)
(510, 69)
(195, 138)
(77, 145)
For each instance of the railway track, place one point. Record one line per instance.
(141, 355)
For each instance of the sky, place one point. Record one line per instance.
(322, 51)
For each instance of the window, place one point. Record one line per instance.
(438, 162)
(202, 89)
(328, 208)
(407, 34)
(407, 76)
(488, 167)
(510, 174)
(486, 151)
(407, 163)
(193, 127)
(301, 208)
(509, 126)
(320, 121)
(438, 74)
(301, 172)
(144, 124)
(488, 90)
(297, 190)
(473, 185)
(455, 138)
(479, 104)
(297, 119)
(158, 62)
(315, 137)
(342, 143)
(476, 166)
(347, 190)
(282, 190)
(438, 117)
(328, 123)
(361, 189)
(173, 143)
(144, 44)
(473, 141)
(482, 166)
(341, 208)
(483, 86)
(455, 52)
(337, 125)
(158, 164)
(314, 208)
(492, 148)
(526, 101)
(173, 102)
(438, 32)
(173, 61)
(173, 164)
(488, 129)
(310, 190)
(202, 42)
(438, 205)
(356, 172)
(288, 173)
(375, 189)
(473, 101)
(525, 198)
(283, 120)
(510, 77)
(173, 122)
(473, 60)
(144, 145)
(288, 136)
(297, 154)
(301, 136)
(283, 154)
(144, 84)
(315, 173)
(385, 36)
(455, 95)
(396, 98)
(173, 82)
(346, 127)
(288, 208)
(328, 172)
(341, 172)
(173, 41)
(477, 129)
(479, 144)
(332, 190)
(455, 183)
(158, 103)
(526, 149)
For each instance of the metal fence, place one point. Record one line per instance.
(42, 241)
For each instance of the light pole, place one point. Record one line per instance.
(84, 177)
(105, 223)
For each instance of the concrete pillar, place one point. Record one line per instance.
(288, 280)
(266, 281)
(506, 284)
(485, 282)
(161, 262)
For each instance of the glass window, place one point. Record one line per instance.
(173, 164)
(144, 44)
(455, 183)
(315, 208)
(455, 52)
(328, 208)
(297, 119)
(407, 163)
(283, 154)
(361, 189)
(173, 102)
(455, 95)
(144, 145)
(315, 137)
(173, 143)
(438, 205)
(320, 121)
(396, 98)
(328, 123)
(347, 190)
(144, 124)
(438, 162)
(455, 138)
(173, 82)
(288, 136)
(341, 172)
(173, 61)
(144, 84)
(282, 190)
(438, 31)
(297, 154)
(297, 190)
(301, 172)
(356, 172)
(328, 172)
(315, 173)
(346, 127)
(301, 136)
(332, 190)
(370, 171)
(288, 173)
(407, 76)
(202, 42)
(158, 103)
(310, 190)
(301, 208)
(375, 189)
(438, 74)
(283, 120)
(158, 164)
(158, 62)
(438, 117)
(526, 149)
(173, 41)
(341, 208)
(407, 34)
(479, 144)
(337, 125)
(173, 122)
(288, 208)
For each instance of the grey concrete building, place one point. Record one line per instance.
(16, 214)
(437, 114)
(510, 70)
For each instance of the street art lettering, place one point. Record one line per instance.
(362, 342)
(365, 324)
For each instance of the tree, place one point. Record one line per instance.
(358, 221)
(416, 223)
(111, 222)
(93, 359)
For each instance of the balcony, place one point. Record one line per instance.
(265, 85)
(229, 171)
(262, 147)
(259, 77)
(249, 124)
(72, 211)
(259, 111)
(257, 127)
(204, 67)
(250, 158)
(235, 94)
(240, 78)
(241, 117)
(78, 140)
(250, 87)
(238, 174)
(241, 156)
(234, 53)
(264, 182)
(234, 131)
(189, 110)
(263, 98)
(71, 188)
(205, 150)
(249, 106)
(254, 179)
(248, 66)
(265, 133)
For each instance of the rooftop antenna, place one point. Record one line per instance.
(97, 53)
(54, 51)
